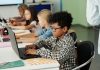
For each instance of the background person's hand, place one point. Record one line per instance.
(13, 22)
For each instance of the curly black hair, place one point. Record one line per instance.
(62, 18)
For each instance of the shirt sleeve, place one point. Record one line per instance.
(93, 12)
(33, 23)
(43, 43)
(46, 34)
(61, 54)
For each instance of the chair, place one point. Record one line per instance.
(85, 54)
(74, 36)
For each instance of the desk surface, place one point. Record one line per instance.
(21, 32)
(8, 55)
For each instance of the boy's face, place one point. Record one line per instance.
(57, 30)
(27, 15)
(42, 21)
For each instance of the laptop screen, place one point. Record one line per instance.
(13, 41)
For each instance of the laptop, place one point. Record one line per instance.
(19, 51)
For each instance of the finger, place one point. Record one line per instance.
(27, 52)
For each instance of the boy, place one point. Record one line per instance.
(60, 46)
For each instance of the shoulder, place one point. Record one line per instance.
(49, 30)
(33, 22)
(51, 38)
(68, 38)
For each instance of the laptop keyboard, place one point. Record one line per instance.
(26, 56)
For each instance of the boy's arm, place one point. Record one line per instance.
(61, 54)
(43, 43)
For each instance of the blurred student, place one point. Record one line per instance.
(17, 20)
(43, 30)
(22, 8)
(30, 16)
(60, 46)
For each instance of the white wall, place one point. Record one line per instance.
(8, 11)
(12, 11)
(56, 5)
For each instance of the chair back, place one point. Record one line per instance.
(74, 36)
(85, 50)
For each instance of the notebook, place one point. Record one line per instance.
(12, 64)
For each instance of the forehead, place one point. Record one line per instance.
(27, 11)
(55, 25)
(41, 18)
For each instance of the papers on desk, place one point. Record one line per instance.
(21, 45)
(5, 44)
(17, 27)
(21, 32)
(39, 61)
(42, 63)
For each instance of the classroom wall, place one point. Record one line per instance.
(57, 6)
(12, 11)
(78, 10)
(8, 11)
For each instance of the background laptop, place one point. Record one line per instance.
(18, 51)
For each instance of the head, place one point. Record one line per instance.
(22, 8)
(60, 23)
(30, 14)
(43, 17)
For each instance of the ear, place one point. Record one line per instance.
(65, 29)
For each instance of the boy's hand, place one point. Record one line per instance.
(30, 47)
(30, 51)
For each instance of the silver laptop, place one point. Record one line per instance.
(19, 51)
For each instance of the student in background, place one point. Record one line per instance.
(30, 16)
(60, 46)
(21, 9)
(17, 20)
(43, 30)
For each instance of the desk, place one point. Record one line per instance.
(7, 55)
(21, 32)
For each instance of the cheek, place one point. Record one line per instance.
(57, 34)
(28, 17)
(41, 24)
(21, 13)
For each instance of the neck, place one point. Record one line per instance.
(62, 36)
(46, 26)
